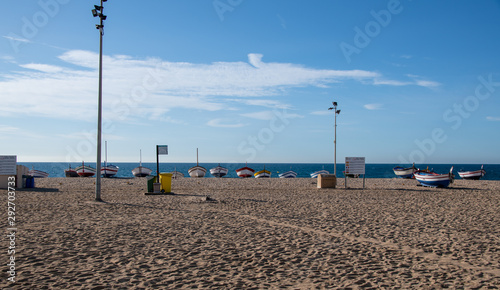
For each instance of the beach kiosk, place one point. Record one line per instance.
(11, 172)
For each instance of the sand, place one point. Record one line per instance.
(256, 234)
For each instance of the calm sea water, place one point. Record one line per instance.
(56, 169)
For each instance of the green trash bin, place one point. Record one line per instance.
(151, 180)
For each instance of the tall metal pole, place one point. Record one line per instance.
(336, 112)
(102, 17)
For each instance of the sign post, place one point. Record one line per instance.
(356, 166)
(160, 150)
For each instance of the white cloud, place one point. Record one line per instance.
(19, 39)
(224, 124)
(269, 115)
(322, 113)
(373, 106)
(148, 88)
(489, 118)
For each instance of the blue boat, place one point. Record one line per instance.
(402, 172)
(433, 179)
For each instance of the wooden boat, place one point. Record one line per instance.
(263, 173)
(245, 172)
(472, 175)
(108, 170)
(85, 170)
(219, 171)
(404, 172)
(141, 171)
(433, 179)
(197, 171)
(315, 174)
(37, 173)
(70, 172)
(177, 174)
(288, 174)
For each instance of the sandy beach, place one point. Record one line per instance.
(256, 234)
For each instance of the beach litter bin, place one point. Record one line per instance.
(30, 181)
(151, 181)
(327, 181)
(166, 182)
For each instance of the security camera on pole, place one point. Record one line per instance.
(98, 11)
(335, 139)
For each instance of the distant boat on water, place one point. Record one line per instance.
(85, 170)
(245, 172)
(141, 171)
(433, 179)
(315, 174)
(263, 173)
(473, 175)
(70, 172)
(108, 170)
(219, 171)
(38, 173)
(197, 171)
(402, 172)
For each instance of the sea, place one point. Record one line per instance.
(372, 170)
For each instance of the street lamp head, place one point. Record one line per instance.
(338, 112)
(335, 104)
(97, 7)
(95, 13)
(331, 108)
(103, 17)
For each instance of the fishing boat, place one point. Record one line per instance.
(315, 174)
(262, 173)
(70, 172)
(402, 172)
(219, 171)
(108, 170)
(473, 175)
(245, 172)
(141, 171)
(288, 174)
(433, 179)
(197, 171)
(177, 174)
(37, 173)
(85, 170)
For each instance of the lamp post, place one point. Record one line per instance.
(335, 138)
(98, 12)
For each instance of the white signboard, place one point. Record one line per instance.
(355, 165)
(8, 165)
(162, 149)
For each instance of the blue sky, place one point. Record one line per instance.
(416, 81)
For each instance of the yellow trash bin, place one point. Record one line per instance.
(166, 182)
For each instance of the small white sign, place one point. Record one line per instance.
(355, 165)
(162, 149)
(8, 165)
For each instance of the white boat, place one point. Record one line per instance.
(177, 174)
(288, 174)
(315, 174)
(108, 170)
(197, 171)
(474, 175)
(245, 172)
(37, 173)
(219, 171)
(263, 173)
(141, 171)
(432, 179)
(85, 170)
(402, 172)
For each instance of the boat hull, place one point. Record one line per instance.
(176, 174)
(109, 170)
(38, 174)
(245, 172)
(197, 172)
(141, 171)
(85, 171)
(288, 174)
(70, 173)
(315, 174)
(404, 172)
(472, 175)
(219, 171)
(262, 174)
(431, 179)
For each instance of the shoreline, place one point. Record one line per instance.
(258, 233)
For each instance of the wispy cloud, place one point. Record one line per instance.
(269, 115)
(19, 39)
(489, 118)
(222, 123)
(148, 88)
(322, 113)
(373, 106)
